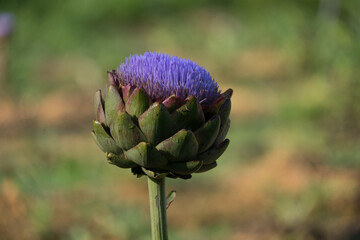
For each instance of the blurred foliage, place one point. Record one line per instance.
(292, 167)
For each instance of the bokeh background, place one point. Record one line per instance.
(292, 169)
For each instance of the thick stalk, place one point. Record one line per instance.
(157, 208)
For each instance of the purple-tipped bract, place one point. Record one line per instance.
(162, 75)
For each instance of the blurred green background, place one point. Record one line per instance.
(292, 169)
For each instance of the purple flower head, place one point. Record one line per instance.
(162, 75)
(7, 22)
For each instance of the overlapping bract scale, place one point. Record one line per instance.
(174, 137)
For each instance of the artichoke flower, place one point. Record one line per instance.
(162, 115)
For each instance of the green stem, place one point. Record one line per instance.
(157, 208)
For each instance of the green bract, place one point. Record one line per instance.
(174, 137)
